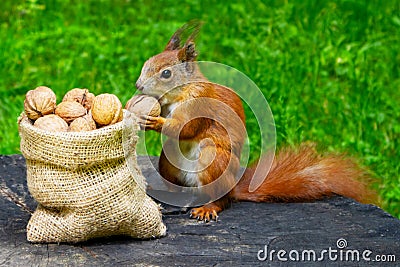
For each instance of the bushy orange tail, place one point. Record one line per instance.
(303, 175)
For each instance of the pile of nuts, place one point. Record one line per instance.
(81, 110)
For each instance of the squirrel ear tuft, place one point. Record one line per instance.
(187, 32)
(174, 43)
(188, 52)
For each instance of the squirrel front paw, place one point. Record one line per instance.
(151, 123)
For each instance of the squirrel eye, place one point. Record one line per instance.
(166, 74)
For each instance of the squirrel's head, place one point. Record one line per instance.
(164, 73)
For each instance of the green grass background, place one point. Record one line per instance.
(329, 69)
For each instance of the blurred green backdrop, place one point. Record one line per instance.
(329, 69)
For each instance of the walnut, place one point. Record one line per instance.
(81, 124)
(39, 102)
(89, 118)
(82, 96)
(143, 105)
(51, 123)
(107, 109)
(70, 110)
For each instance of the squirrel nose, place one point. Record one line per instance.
(139, 86)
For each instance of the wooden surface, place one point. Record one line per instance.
(235, 240)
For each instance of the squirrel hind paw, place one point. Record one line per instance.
(205, 213)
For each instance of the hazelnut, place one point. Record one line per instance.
(69, 111)
(82, 96)
(107, 109)
(51, 123)
(39, 102)
(143, 105)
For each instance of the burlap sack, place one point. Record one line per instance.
(87, 184)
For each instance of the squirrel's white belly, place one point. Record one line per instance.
(188, 162)
(184, 155)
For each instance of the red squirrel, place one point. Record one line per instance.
(299, 174)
